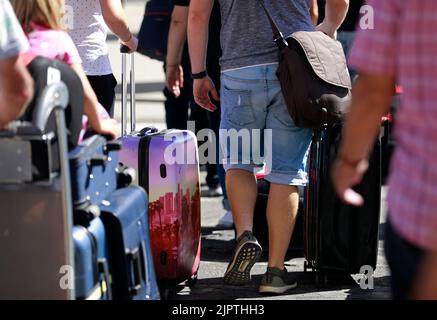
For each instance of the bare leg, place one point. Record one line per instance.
(242, 191)
(281, 217)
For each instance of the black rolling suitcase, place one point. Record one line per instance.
(339, 238)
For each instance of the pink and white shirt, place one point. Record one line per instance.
(403, 43)
(52, 44)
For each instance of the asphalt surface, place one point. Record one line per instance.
(218, 244)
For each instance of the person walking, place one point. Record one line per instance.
(177, 81)
(87, 25)
(400, 48)
(251, 99)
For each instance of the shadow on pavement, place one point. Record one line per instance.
(215, 289)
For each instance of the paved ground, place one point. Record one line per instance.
(217, 244)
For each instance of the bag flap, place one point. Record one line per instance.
(326, 57)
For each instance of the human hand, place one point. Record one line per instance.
(132, 43)
(108, 127)
(202, 88)
(345, 175)
(327, 29)
(174, 79)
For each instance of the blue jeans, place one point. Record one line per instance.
(253, 105)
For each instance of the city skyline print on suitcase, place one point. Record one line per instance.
(174, 197)
(174, 202)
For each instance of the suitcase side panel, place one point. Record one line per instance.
(174, 206)
(341, 237)
(85, 260)
(130, 154)
(30, 264)
(97, 230)
(125, 217)
(92, 183)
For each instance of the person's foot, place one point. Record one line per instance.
(277, 281)
(246, 254)
(226, 221)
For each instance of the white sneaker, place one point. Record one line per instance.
(226, 221)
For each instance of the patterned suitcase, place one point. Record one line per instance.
(168, 169)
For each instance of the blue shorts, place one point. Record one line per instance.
(254, 114)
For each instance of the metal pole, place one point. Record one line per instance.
(66, 192)
(123, 95)
(133, 113)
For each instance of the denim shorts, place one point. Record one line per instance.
(254, 114)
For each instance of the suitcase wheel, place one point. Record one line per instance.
(306, 266)
(321, 279)
(167, 293)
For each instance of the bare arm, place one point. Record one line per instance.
(335, 13)
(16, 89)
(425, 287)
(115, 18)
(103, 126)
(371, 100)
(198, 24)
(314, 11)
(175, 46)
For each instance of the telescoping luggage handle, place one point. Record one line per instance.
(124, 50)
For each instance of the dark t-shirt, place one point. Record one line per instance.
(352, 17)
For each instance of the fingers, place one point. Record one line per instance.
(215, 95)
(205, 102)
(110, 127)
(174, 79)
(343, 178)
(181, 78)
(175, 89)
(202, 89)
(353, 198)
(131, 44)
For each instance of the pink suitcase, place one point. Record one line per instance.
(167, 168)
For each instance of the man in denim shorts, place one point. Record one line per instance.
(253, 109)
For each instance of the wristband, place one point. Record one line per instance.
(199, 75)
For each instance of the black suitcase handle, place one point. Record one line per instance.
(113, 146)
(136, 267)
(124, 49)
(147, 131)
(84, 213)
(97, 161)
(126, 176)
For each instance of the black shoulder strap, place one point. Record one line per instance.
(277, 34)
